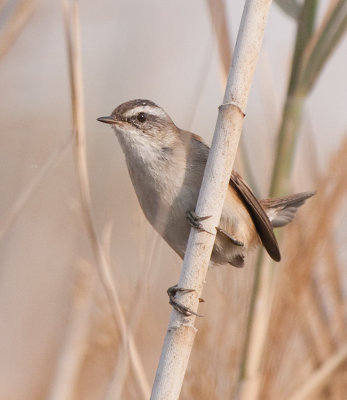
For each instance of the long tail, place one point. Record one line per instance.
(282, 210)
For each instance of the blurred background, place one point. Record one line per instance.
(83, 304)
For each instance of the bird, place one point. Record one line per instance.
(166, 166)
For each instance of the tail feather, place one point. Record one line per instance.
(282, 210)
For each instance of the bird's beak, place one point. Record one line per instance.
(107, 120)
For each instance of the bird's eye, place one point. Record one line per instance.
(141, 117)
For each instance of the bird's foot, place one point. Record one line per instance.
(195, 221)
(186, 311)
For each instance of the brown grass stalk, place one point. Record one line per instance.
(15, 24)
(71, 20)
(217, 11)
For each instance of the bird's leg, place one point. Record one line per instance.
(177, 305)
(232, 238)
(194, 221)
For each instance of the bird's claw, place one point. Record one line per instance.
(195, 221)
(182, 309)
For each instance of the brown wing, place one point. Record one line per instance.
(258, 214)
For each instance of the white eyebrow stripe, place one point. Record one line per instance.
(157, 111)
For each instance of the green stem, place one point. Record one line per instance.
(331, 31)
(287, 135)
(292, 112)
(303, 34)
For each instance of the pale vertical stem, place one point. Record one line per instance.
(181, 331)
(219, 21)
(103, 268)
(262, 294)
